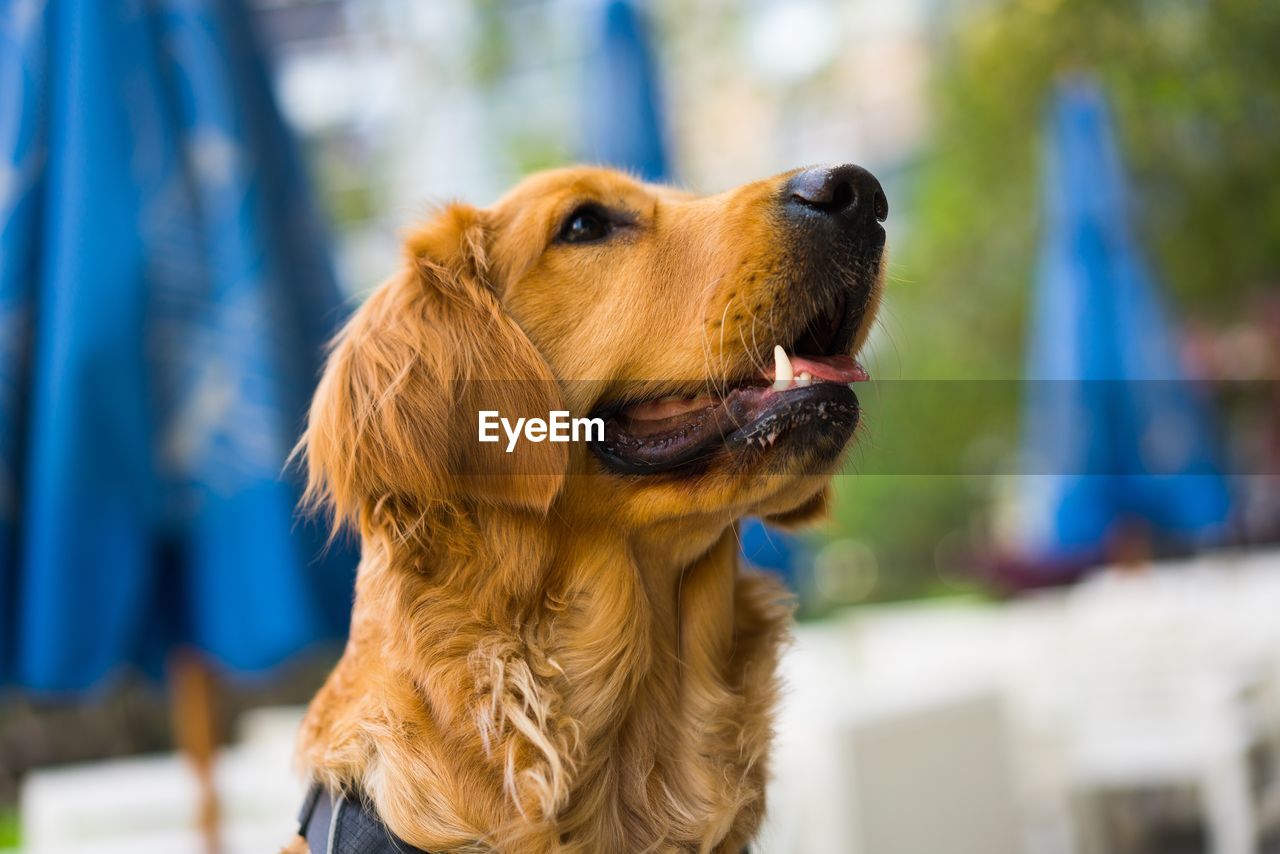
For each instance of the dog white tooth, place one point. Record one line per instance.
(782, 372)
(804, 378)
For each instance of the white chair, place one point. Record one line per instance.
(901, 763)
(1153, 697)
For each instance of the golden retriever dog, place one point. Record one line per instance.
(553, 647)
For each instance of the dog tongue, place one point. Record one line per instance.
(836, 369)
(661, 410)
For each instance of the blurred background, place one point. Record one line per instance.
(1045, 616)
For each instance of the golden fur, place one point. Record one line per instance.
(544, 657)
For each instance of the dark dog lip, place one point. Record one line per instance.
(743, 413)
(786, 410)
(750, 416)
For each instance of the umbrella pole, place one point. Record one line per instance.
(193, 714)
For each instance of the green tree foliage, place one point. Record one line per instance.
(1195, 87)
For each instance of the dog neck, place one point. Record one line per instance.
(523, 682)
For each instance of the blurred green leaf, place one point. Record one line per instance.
(9, 836)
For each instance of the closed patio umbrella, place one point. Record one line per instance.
(624, 118)
(1116, 436)
(164, 299)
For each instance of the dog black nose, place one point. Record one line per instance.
(847, 193)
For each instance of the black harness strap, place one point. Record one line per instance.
(346, 825)
(349, 825)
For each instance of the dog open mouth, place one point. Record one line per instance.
(809, 388)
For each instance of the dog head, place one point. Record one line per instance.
(655, 310)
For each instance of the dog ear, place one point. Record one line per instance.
(394, 425)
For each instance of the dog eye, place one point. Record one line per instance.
(585, 225)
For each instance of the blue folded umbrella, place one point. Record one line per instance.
(164, 299)
(1115, 433)
(623, 113)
